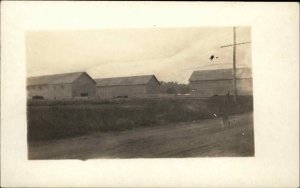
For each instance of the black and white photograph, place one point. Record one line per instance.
(149, 94)
(140, 93)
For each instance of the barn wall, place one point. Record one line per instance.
(153, 86)
(83, 85)
(245, 86)
(57, 91)
(111, 91)
(211, 87)
(221, 87)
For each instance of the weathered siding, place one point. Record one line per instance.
(82, 86)
(111, 91)
(221, 87)
(55, 91)
(244, 86)
(211, 87)
(153, 86)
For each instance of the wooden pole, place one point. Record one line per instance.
(234, 65)
(234, 61)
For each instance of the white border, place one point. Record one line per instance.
(275, 46)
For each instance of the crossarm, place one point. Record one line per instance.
(235, 44)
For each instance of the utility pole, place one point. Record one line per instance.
(234, 61)
(234, 66)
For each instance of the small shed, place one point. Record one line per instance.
(127, 86)
(61, 86)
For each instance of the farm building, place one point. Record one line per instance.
(127, 86)
(220, 81)
(61, 86)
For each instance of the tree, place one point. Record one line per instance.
(174, 88)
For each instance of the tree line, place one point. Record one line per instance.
(174, 88)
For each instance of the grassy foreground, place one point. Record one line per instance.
(203, 138)
(60, 119)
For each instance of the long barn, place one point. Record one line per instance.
(61, 86)
(127, 86)
(220, 81)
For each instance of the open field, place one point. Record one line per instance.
(190, 139)
(51, 120)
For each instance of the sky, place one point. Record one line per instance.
(171, 54)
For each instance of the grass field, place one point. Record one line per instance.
(51, 120)
(202, 138)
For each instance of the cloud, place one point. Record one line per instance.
(170, 53)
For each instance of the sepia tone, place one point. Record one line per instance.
(194, 99)
(61, 86)
(127, 86)
(219, 82)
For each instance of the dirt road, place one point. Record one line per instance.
(193, 139)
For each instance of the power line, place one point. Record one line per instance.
(207, 66)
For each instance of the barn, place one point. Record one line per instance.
(61, 86)
(220, 81)
(127, 86)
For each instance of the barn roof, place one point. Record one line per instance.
(220, 74)
(54, 79)
(118, 81)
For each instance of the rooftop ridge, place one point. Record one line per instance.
(128, 80)
(124, 77)
(57, 74)
(54, 78)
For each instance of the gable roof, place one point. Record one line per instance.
(121, 81)
(220, 74)
(54, 79)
